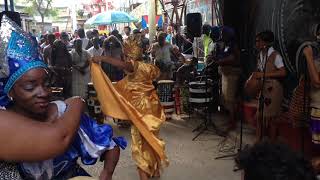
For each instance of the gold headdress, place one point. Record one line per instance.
(132, 47)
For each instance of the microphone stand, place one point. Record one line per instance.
(261, 114)
(262, 100)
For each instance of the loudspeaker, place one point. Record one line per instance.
(14, 16)
(194, 24)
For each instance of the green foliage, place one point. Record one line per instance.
(80, 12)
(40, 7)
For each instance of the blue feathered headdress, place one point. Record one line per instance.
(19, 53)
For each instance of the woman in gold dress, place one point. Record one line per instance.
(134, 98)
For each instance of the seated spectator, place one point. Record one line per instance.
(161, 51)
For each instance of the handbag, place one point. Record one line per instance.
(298, 103)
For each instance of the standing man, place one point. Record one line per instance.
(80, 70)
(270, 62)
(127, 32)
(61, 65)
(47, 51)
(206, 39)
(85, 41)
(95, 50)
(228, 59)
(44, 43)
(112, 47)
(145, 44)
(170, 36)
(147, 32)
(66, 40)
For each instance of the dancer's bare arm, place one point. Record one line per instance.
(124, 65)
(24, 139)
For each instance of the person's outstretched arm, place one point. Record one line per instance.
(24, 139)
(123, 65)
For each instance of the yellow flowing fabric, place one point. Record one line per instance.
(134, 98)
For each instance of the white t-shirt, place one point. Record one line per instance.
(85, 43)
(278, 63)
(95, 52)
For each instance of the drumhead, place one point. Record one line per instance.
(167, 103)
(200, 100)
(165, 82)
(201, 83)
(200, 90)
(82, 178)
(197, 83)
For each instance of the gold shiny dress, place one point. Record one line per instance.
(135, 98)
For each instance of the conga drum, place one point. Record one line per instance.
(165, 89)
(315, 125)
(93, 103)
(250, 109)
(201, 93)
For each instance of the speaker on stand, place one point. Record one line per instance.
(194, 28)
(194, 24)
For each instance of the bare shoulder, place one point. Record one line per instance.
(52, 112)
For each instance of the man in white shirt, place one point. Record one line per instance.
(95, 50)
(86, 44)
(127, 32)
(47, 51)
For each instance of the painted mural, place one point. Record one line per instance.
(201, 6)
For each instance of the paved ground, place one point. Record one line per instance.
(194, 160)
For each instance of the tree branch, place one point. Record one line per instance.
(47, 8)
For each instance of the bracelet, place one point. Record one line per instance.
(83, 100)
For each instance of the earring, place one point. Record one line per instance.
(11, 98)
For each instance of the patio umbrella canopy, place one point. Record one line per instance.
(111, 17)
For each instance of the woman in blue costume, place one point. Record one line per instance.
(16, 130)
(27, 93)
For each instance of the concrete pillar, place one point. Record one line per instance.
(152, 20)
(74, 16)
(23, 24)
